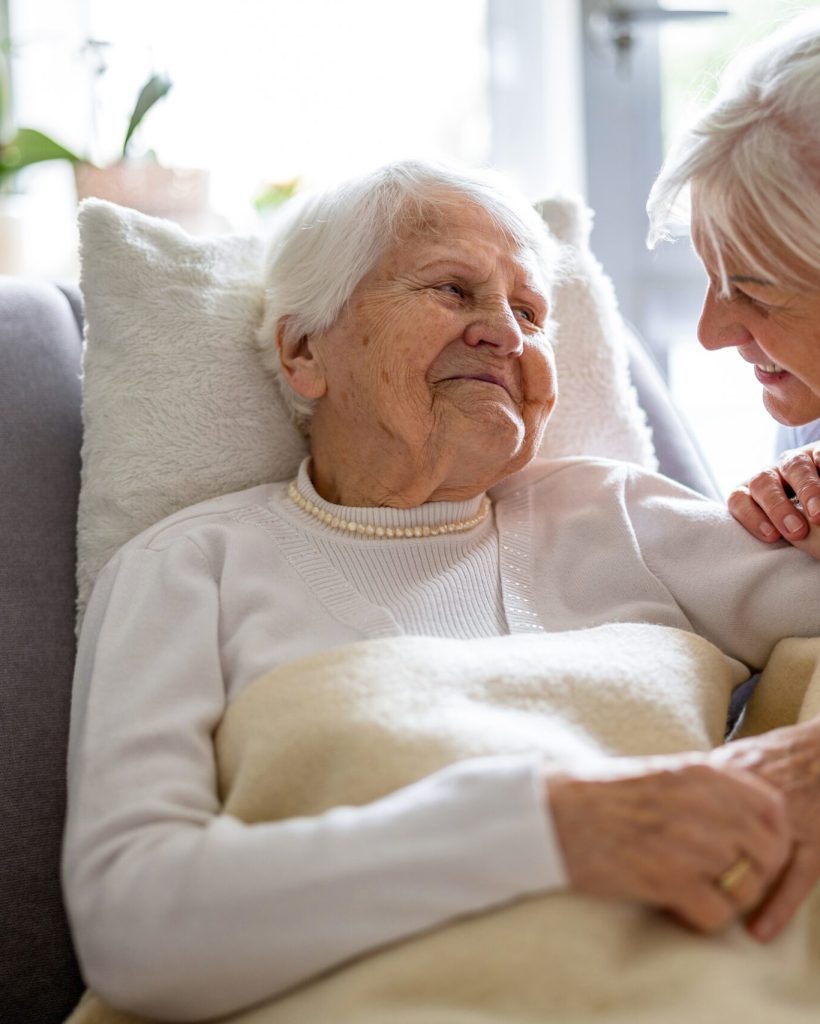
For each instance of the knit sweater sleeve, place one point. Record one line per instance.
(181, 912)
(742, 595)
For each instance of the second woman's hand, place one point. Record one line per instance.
(764, 506)
(703, 841)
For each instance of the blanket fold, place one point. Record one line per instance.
(353, 724)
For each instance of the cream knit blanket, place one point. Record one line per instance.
(353, 724)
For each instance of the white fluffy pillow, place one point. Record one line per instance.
(177, 408)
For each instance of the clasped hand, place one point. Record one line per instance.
(709, 837)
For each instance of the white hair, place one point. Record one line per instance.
(753, 161)
(328, 241)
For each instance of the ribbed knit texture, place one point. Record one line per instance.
(429, 585)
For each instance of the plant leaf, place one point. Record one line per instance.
(274, 194)
(154, 89)
(32, 147)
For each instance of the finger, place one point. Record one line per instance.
(747, 890)
(704, 908)
(797, 881)
(768, 490)
(751, 517)
(799, 470)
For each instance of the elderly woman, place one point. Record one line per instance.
(408, 320)
(753, 163)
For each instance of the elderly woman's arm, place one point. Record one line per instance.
(180, 912)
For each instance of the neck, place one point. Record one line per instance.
(390, 474)
(400, 482)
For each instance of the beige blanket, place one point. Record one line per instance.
(353, 724)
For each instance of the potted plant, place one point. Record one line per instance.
(143, 184)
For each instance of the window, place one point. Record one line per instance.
(264, 91)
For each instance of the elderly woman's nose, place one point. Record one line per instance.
(498, 329)
(719, 326)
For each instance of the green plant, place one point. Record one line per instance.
(274, 194)
(29, 146)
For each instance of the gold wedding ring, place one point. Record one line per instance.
(733, 876)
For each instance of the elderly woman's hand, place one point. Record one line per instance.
(764, 508)
(665, 830)
(788, 759)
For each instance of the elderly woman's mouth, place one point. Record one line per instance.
(487, 378)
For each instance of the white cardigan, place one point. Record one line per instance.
(182, 912)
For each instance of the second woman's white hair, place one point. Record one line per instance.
(753, 160)
(327, 242)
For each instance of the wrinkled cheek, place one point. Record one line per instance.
(400, 401)
(539, 373)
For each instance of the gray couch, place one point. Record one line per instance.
(40, 435)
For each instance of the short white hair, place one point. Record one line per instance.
(753, 159)
(327, 242)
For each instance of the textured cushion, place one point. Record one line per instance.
(39, 483)
(177, 407)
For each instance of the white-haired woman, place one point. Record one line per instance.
(408, 321)
(752, 161)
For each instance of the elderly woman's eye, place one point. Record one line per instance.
(525, 314)
(452, 288)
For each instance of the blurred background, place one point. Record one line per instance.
(230, 107)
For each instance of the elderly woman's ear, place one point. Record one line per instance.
(300, 365)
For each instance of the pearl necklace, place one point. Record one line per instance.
(371, 532)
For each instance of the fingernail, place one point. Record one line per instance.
(813, 507)
(763, 929)
(793, 523)
(767, 530)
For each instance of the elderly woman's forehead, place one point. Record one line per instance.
(482, 255)
(472, 239)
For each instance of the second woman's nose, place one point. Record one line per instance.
(720, 325)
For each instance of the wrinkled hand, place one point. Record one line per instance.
(762, 506)
(666, 828)
(788, 759)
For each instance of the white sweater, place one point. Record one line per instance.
(181, 912)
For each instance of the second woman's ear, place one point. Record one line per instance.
(300, 363)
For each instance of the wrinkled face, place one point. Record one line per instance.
(441, 354)
(776, 330)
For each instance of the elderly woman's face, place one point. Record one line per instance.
(439, 367)
(778, 331)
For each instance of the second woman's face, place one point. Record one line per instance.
(775, 330)
(441, 353)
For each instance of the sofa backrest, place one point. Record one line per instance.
(40, 432)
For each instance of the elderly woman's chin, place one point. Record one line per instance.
(491, 437)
